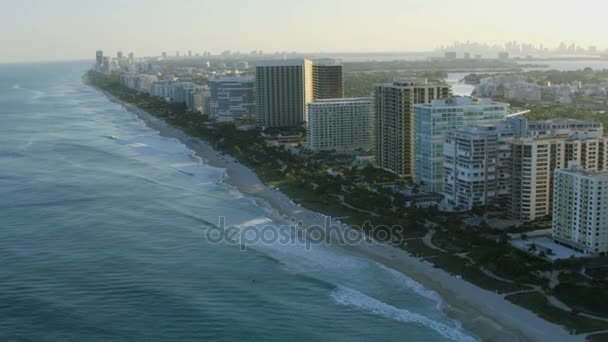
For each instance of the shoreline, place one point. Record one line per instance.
(485, 314)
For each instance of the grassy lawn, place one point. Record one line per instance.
(537, 303)
(588, 299)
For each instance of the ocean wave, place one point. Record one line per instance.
(137, 145)
(415, 286)
(350, 297)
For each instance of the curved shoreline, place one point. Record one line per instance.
(487, 315)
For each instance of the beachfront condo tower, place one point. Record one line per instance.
(232, 98)
(343, 125)
(327, 79)
(579, 210)
(98, 59)
(394, 121)
(284, 88)
(431, 123)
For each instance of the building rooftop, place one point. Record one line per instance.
(413, 82)
(282, 62)
(327, 62)
(343, 100)
(575, 169)
(459, 101)
(233, 79)
(563, 121)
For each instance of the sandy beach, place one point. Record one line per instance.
(486, 314)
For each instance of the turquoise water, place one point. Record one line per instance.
(102, 237)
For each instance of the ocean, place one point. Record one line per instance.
(103, 237)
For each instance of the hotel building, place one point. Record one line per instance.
(284, 88)
(327, 79)
(343, 125)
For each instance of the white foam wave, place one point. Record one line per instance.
(350, 297)
(137, 145)
(415, 286)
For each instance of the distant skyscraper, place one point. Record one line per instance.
(107, 64)
(394, 124)
(189, 53)
(99, 58)
(164, 54)
(119, 55)
(232, 98)
(284, 90)
(131, 57)
(327, 79)
(176, 53)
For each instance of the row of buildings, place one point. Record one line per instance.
(511, 87)
(469, 150)
(514, 161)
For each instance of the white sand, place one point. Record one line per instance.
(486, 314)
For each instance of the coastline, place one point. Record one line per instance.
(485, 314)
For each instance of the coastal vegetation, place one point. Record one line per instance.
(367, 197)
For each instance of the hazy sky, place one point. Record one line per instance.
(33, 30)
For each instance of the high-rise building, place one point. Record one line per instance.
(99, 58)
(394, 121)
(164, 54)
(431, 123)
(343, 125)
(283, 92)
(131, 57)
(533, 162)
(232, 98)
(119, 55)
(107, 64)
(327, 79)
(471, 166)
(196, 98)
(525, 158)
(580, 204)
(178, 91)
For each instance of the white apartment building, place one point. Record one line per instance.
(471, 166)
(343, 125)
(580, 210)
(434, 120)
(198, 99)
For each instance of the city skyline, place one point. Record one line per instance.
(35, 30)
